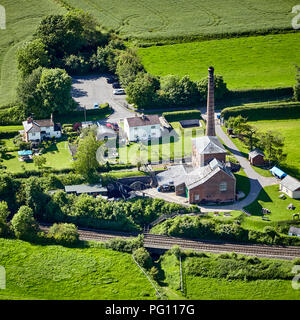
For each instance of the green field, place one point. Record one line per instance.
(291, 133)
(249, 62)
(56, 272)
(169, 18)
(268, 198)
(210, 288)
(22, 18)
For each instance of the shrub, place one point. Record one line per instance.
(123, 245)
(182, 115)
(254, 112)
(296, 261)
(64, 233)
(23, 224)
(143, 258)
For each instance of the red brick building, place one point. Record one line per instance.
(207, 179)
(257, 158)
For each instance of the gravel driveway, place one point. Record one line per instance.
(87, 90)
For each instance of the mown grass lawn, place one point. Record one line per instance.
(178, 145)
(249, 62)
(269, 198)
(56, 273)
(57, 155)
(289, 129)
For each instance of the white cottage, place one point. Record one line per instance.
(290, 186)
(142, 127)
(37, 130)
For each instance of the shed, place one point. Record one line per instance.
(256, 157)
(290, 186)
(293, 231)
(91, 189)
(278, 173)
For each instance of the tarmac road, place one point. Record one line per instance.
(87, 90)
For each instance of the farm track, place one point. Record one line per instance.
(164, 242)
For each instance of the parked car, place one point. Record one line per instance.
(116, 85)
(119, 91)
(96, 105)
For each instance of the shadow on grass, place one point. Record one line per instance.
(242, 183)
(255, 208)
(235, 152)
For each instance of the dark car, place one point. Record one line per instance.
(116, 85)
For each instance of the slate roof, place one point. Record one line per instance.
(192, 177)
(290, 183)
(85, 188)
(208, 145)
(146, 120)
(37, 124)
(294, 230)
(256, 152)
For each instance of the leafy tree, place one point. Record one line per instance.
(220, 87)
(23, 223)
(39, 161)
(272, 143)
(142, 90)
(297, 85)
(65, 233)
(176, 251)
(178, 91)
(250, 135)
(32, 56)
(8, 190)
(86, 162)
(35, 197)
(104, 60)
(28, 95)
(143, 258)
(55, 87)
(77, 64)
(46, 91)
(128, 67)
(4, 213)
(154, 273)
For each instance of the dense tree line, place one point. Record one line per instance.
(201, 228)
(63, 45)
(146, 90)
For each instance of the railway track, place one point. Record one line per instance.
(153, 241)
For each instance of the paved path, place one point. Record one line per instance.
(257, 182)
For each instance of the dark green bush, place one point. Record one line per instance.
(182, 115)
(143, 258)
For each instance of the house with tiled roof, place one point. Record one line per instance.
(143, 127)
(37, 130)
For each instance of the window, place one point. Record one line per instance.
(197, 197)
(223, 186)
(33, 134)
(153, 127)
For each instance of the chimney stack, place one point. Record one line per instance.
(210, 124)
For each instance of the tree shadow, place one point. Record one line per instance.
(255, 208)
(78, 93)
(236, 152)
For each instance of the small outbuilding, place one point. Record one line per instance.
(257, 157)
(90, 189)
(293, 231)
(290, 186)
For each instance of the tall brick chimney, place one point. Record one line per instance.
(210, 124)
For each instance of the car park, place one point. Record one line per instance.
(116, 85)
(119, 91)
